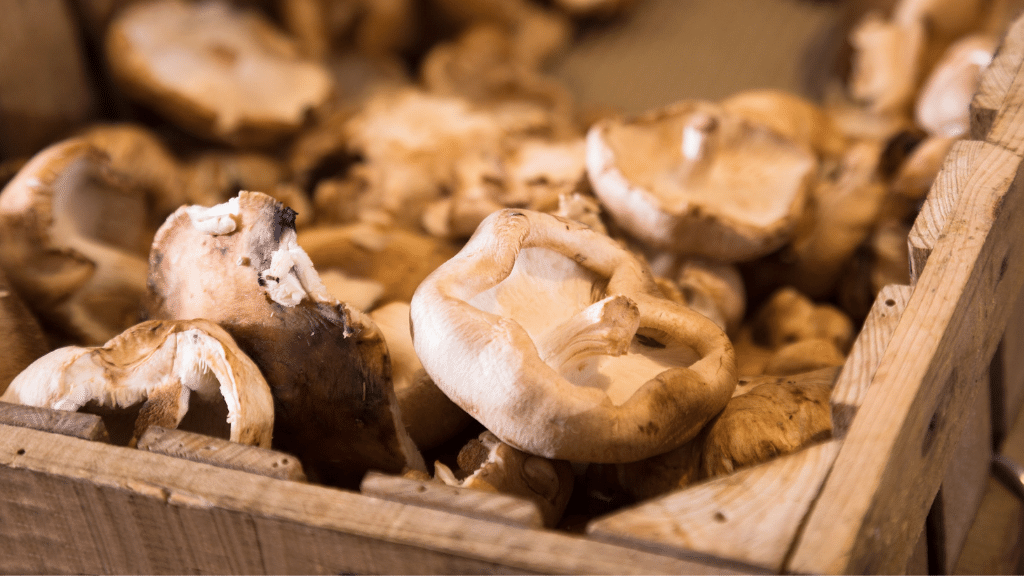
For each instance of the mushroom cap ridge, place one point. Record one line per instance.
(490, 366)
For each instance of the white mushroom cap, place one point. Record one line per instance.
(158, 362)
(943, 102)
(694, 179)
(559, 342)
(218, 71)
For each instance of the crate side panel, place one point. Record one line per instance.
(889, 468)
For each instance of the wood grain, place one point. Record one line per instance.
(110, 509)
(220, 452)
(964, 484)
(997, 81)
(752, 517)
(892, 460)
(456, 499)
(79, 425)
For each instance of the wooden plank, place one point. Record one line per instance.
(111, 509)
(752, 517)
(942, 199)
(918, 563)
(998, 82)
(491, 506)
(77, 424)
(1008, 374)
(964, 484)
(993, 545)
(889, 468)
(220, 452)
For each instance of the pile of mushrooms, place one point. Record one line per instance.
(450, 269)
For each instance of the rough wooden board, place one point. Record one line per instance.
(918, 563)
(1008, 370)
(997, 81)
(455, 499)
(964, 483)
(753, 516)
(79, 425)
(852, 384)
(749, 517)
(111, 509)
(220, 452)
(890, 465)
(993, 544)
(942, 199)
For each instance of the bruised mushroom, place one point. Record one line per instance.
(695, 179)
(559, 342)
(429, 416)
(239, 264)
(487, 463)
(221, 72)
(73, 241)
(164, 365)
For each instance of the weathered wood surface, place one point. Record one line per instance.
(893, 458)
(220, 452)
(752, 517)
(79, 425)
(964, 484)
(1000, 81)
(110, 509)
(456, 499)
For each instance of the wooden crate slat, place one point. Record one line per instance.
(220, 452)
(77, 424)
(900, 444)
(136, 494)
(997, 82)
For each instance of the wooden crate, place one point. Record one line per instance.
(867, 501)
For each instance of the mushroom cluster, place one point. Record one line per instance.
(383, 236)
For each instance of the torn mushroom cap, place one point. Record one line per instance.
(943, 102)
(429, 416)
(694, 179)
(161, 363)
(487, 463)
(73, 241)
(239, 264)
(215, 70)
(558, 341)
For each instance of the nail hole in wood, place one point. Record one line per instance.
(719, 517)
(21, 452)
(890, 302)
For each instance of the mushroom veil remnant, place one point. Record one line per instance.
(238, 264)
(559, 342)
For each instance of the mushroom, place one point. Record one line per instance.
(429, 416)
(886, 63)
(239, 264)
(559, 342)
(943, 102)
(24, 341)
(73, 239)
(220, 72)
(382, 263)
(165, 366)
(487, 463)
(775, 418)
(792, 116)
(377, 27)
(694, 179)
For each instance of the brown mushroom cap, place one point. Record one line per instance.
(796, 118)
(239, 264)
(160, 364)
(246, 83)
(24, 341)
(694, 179)
(560, 343)
(73, 239)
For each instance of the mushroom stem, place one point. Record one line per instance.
(605, 327)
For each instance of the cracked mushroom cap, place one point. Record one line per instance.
(559, 342)
(327, 364)
(487, 463)
(694, 179)
(73, 241)
(220, 72)
(160, 364)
